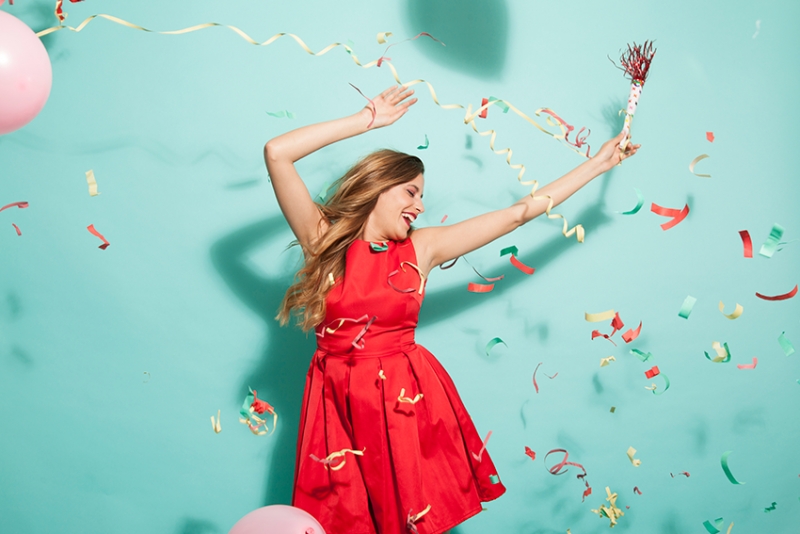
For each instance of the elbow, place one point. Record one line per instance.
(271, 151)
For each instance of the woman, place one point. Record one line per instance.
(385, 443)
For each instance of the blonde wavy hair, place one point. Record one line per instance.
(346, 212)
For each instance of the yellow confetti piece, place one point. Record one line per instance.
(721, 351)
(606, 361)
(631, 453)
(381, 375)
(216, 424)
(611, 512)
(403, 398)
(331, 280)
(419, 271)
(328, 460)
(736, 313)
(383, 36)
(92, 183)
(602, 316)
(694, 162)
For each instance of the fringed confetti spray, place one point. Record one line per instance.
(635, 62)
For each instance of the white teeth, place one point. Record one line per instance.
(409, 217)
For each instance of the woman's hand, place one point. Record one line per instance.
(610, 154)
(390, 105)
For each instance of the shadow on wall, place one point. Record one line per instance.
(475, 33)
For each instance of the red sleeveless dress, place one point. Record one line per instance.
(385, 444)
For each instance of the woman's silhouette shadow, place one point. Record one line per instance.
(280, 374)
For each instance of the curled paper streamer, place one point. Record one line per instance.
(561, 468)
(329, 330)
(412, 519)
(611, 512)
(684, 473)
(492, 342)
(452, 263)
(281, 114)
(723, 353)
(426, 145)
(419, 272)
(402, 397)
(639, 204)
(19, 232)
(363, 331)
(19, 205)
(714, 528)
(389, 280)
(724, 462)
(749, 365)
(605, 361)
(371, 104)
(632, 334)
(99, 236)
(643, 356)
(785, 296)
(92, 183)
(694, 162)
(530, 453)
(479, 288)
(786, 345)
(747, 243)
(677, 215)
(686, 307)
(331, 458)
(479, 456)
(535, 384)
(771, 244)
(515, 262)
(736, 312)
(216, 425)
(602, 316)
(579, 141)
(655, 390)
(631, 453)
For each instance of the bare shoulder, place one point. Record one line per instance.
(424, 240)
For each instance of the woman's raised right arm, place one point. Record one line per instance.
(282, 152)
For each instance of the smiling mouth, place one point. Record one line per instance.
(408, 218)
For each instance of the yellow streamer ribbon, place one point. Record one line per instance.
(339, 454)
(92, 183)
(419, 271)
(383, 36)
(216, 424)
(694, 162)
(611, 512)
(402, 397)
(736, 313)
(602, 316)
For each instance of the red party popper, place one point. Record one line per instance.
(635, 63)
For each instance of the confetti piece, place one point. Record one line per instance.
(382, 36)
(631, 453)
(492, 342)
(361, 334)
(443, 219)
(771, 244)
(485, 110)
(521, 266)
(407, 400)
(632, 334)
(643, 356)
(579, 141)
(723, 353)
(331, 458)
(535, 384)
(284, 113)
(92, 183)
(677, 215)
(694, 162)
(509, 250)
(412, 519)
(736, 313)
(247, 414)
(561, 468)
(447, 266)
(494, 479)
(426, 145)
(724, 462)
(639, 204)
(479, 456)
(611, 512)
(748, 365)
(605, 361)
(19, 205)
(655, 389)
(636, 490)
(770, 508)
(98, 235)
(381, 375)
(710, 137)
(530, 453)
(786, 345)
(479, 288)
(602, 316)
(500, 103)
(684, 473)
(613, 409)
(19, 232)
(653, 371)
(716, 527)
(216, 425)
(785, 296)
(686, 307)
(747, 243)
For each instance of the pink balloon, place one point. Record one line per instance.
(25, 74)
(277, 519)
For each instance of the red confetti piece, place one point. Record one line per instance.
(19, 232)
(557, 469)
(747, 243)
(710, 137)
(361, 334)
(616, 323)
(579, 141)
(684, 473)
(677, 215)
(485, 112)
(632, 334)
(443, 219)
(596, 333)
(748, 365)
(535, 384)
(521, 266)
(15, 205)
(98, 235)
(653, 371)
(637, 490)
(261, 406)
(479, 288)
(785, 296)
(530, 453)
(479, 456)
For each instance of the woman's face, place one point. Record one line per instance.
(396, 210)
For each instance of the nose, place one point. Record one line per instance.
(420, 207)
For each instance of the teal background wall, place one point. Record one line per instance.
(112, 362)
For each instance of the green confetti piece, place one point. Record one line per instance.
(727, 355)
(686, 308)
(244, 411)
(502, 105)
(724, 462)
(666, 385)
(510, 250)
(771, 244)
(613, 409)
(786, 345)
(281, 114)
(426, 145)
(494, 479)
(643, 356)
(379, 247)
(324, 193)
(714, 529)
(769, 509)
(494, 341)
(639, 204)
